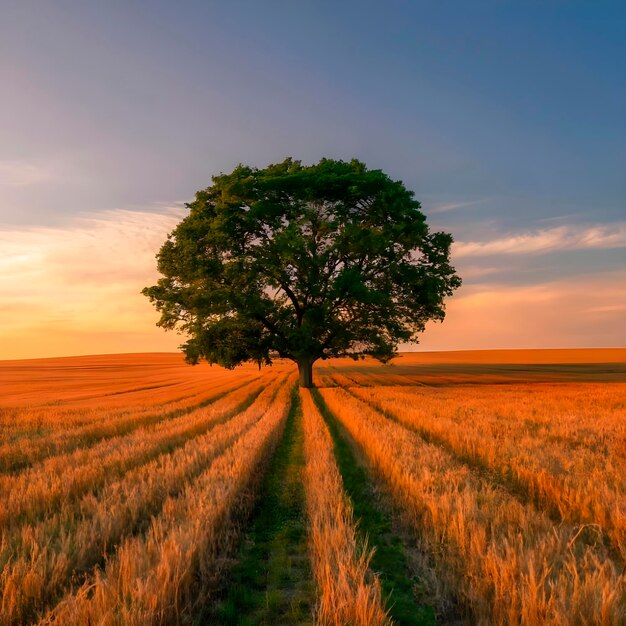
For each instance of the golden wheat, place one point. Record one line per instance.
(567, 457)
(126, 479)
(153, 579)
(27, 449)
(46, 554)
(508, 561)
(65, 477)
(349, 594)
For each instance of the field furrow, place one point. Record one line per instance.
(348, 591)
(47, 418)
(408, 587)
(48, 556)
(38, 490)
(18, 455)
(575, 480)
(271, 581)
(509, 561)
(164, 576)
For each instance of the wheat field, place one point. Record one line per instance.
(449, 488)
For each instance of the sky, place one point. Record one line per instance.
(507, 120)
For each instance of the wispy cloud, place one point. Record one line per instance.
(547, 240)
(475, 272)
(452, 206)
(60, 286)
(608, 308)
(16, 173)
(582, 311)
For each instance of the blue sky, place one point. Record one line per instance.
(508, 120)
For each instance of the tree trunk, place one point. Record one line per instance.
(305, 368)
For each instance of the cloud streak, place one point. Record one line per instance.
(603, 236)
(67, 290)
(17, 173)
(582, 311)
(452, 206)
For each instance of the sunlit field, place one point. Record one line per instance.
(451, 488)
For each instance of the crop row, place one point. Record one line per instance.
(41, 559)
(508, 561)
(28, 449)
(160, 577)
(102, 398)
(348, 592)
(575, 476)
(37, 491)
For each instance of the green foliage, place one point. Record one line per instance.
(302, 262)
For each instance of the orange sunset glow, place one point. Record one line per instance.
(74, 289)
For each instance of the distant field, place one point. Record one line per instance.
(494, 366)
(491, 488)
(531, 357)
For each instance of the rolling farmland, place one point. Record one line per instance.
(451, 488)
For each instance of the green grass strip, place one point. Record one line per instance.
(272, 582)
(390, 559)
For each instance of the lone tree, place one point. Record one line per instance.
(302, 262)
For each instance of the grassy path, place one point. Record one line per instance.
(401, 588)
(272, 581)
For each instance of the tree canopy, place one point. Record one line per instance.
(304, 263)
